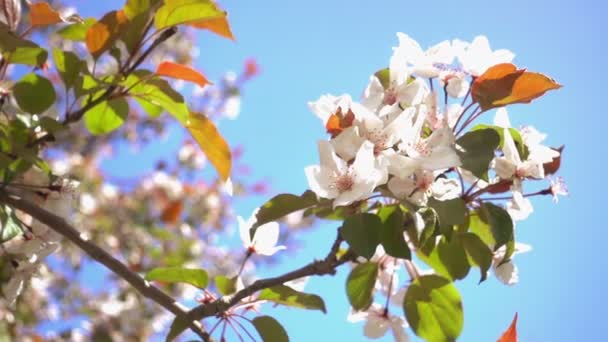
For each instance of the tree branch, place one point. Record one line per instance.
(317, 267)
(59, 225)
(77, 115)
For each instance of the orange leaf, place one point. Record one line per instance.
(172, 212)
(101, 35)
(211, 142)
(338, 121)
(504, 84)
(510, 335)
(218, 25)
(42, 14)
(554, 165)
(182, 72)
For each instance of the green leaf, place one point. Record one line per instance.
(519, 143)
(362, 232)
(283, 204)
(106, 116)
(478, 252)
(133, 33)
(158, 92)
(450, 212)
(447, 258)
(501, 226)
(360, 285)
(50, 125)
(391, 233)
(477, 151)
(134, 7)
(10, 227)
(433, 308)
(151, 109)
(431, 223)
(20, 51)
(34, 56)
(270, 329)
(225, 285)
(34, 94)
(285, 295)
(178, 326)
(384, 76)
(69, 66)
(192, 276)
(176, 12)
(77, 31)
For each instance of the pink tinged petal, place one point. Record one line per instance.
(320, 181)
(244, 231)
(519, 207)
(454, 111)
(359, 191)
(507, 273)
(373, 95)
(376, 326)
(400, 165)
(501, 118)
(401, 187)
(398, 326)
(504, 168)
(364, 165)
(457, 87)
(411, 94)
(357, 316)
(509, 148)
(347, 143)
(265, 239)
(408, 50)
(329, 159)
(446, 189)
(503, 56)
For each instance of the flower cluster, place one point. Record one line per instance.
(406, 141)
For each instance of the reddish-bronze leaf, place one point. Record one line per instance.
(500, 187)
(172, 211)
(101, 35)
(338, 121)
(510, 335)
(42, 14)
(504, 84)
(218, 25)
(182, 72)
(554, 165)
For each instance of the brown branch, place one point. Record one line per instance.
(62, 227)
(317, 267)
(77, 115)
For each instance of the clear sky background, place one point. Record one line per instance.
(308, 48)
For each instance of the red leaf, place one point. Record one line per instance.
(42, 14)
(182, 72)
(172, 212)
(504, 84)
(218, 25)
(554, 165)
(510, 335)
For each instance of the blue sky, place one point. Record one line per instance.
(308, 48)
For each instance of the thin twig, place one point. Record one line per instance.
(62, 227)
(318, 267)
